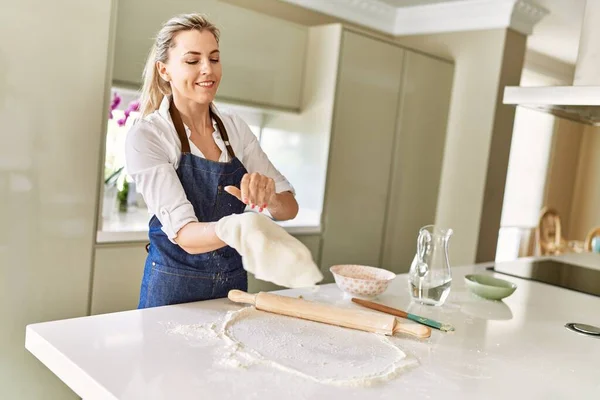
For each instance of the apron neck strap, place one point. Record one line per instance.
(178, 123)
(223, 132)
(183, 138)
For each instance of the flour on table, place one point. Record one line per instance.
(318, 352)
(194, 331)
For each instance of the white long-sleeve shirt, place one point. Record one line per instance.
(152, 153)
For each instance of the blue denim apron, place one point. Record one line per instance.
(173, 276)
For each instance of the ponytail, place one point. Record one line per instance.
(154, 87)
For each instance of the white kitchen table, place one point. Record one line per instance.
(514, 349)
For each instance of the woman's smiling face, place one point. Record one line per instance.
(194, 66)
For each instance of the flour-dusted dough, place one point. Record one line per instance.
(268, 251)
(319, 352)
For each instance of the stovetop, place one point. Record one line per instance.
(552, 272)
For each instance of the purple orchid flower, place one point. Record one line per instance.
(114, 104)
(134, 106)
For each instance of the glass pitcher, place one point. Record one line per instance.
(429, 278)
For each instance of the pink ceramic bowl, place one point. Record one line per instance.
(362, 281)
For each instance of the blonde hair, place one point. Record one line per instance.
(154, 87)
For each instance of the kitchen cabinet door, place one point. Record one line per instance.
(118, 271)
(418, 156)
(262, 56)
(360, 153)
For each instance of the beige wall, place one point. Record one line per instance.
(585, 209)
(53, 108)
(562, 173)
(573, 177)
(478, 58)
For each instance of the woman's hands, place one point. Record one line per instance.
(255, 190)
(259, 192)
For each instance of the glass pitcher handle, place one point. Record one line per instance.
(423, 244)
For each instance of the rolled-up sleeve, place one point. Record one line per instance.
(156, 179)
(255, 159)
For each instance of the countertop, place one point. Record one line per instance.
(517, 348)
(132, 226)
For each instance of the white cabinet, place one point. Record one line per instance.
(263, 57)
(418, 155)
(386, 152)
(360, 153)
(118, 271)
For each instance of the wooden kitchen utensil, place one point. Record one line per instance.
(404, 314)
(350, 318)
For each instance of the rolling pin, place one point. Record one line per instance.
(349, 318)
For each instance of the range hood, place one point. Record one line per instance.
(581, 101)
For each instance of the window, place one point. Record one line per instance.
(122, 208)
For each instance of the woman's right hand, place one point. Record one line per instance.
(255, 190)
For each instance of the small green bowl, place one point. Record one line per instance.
(488, 287)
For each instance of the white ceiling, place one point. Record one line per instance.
(557, 35)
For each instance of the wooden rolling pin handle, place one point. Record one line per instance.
(239, 296)
(417, 330)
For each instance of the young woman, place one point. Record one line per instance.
(195, 165)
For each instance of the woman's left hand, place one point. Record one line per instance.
(255, 190)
